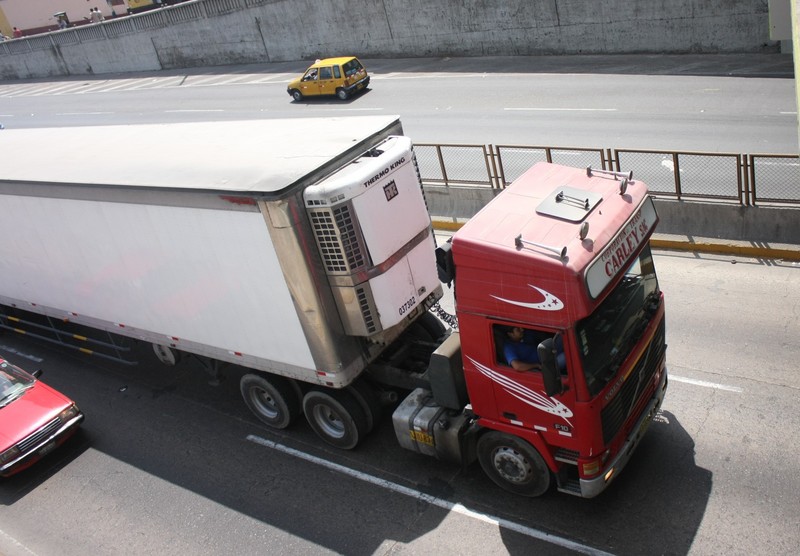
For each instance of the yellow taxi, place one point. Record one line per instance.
(341, 76)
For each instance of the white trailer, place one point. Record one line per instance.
(299, 248)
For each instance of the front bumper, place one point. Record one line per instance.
(592, 487)
(42, 447)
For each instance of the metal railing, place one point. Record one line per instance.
(746, 179)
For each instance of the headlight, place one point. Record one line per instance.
(69, 413)
(8, 455)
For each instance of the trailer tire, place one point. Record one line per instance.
(273, 400)
(336, 417)
(167, 355)
(513, 464)
(368, 399)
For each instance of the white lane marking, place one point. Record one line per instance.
(82, 113)
(706, 384)
(561, 109)
(438, 502)
(198, 110)
(14, 542)
(343, 109)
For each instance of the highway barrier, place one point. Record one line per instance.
(732, 196)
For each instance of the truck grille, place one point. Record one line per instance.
(33, 440)
(616, 412)
(338, 239)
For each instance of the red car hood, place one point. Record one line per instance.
(36, 407)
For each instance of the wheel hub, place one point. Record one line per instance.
(512, 465)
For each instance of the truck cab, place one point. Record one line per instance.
(562, 254)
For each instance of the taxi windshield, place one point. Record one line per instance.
(607, 336)
(13, 382)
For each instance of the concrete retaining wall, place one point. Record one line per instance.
(221, 32)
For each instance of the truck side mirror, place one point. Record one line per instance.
(550, 373)
(444, 263)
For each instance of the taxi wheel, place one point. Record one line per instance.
(297, 95)
(342, 94)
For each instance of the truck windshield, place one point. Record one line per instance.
(607, 336)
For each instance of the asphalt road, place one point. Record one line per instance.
(740, 104)
(166, 462)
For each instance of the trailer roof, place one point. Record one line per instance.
(255, 156)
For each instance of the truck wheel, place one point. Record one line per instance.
(336, 417)
(297, 95)
(368, 399)
(272, 400)
(513, 464)
(342, 94)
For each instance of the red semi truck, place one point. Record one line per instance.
(564, 253)
(302, 252)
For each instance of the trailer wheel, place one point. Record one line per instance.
(513, 464)
(167, 355)
(368, 399)
(272, 400)
(336, 417)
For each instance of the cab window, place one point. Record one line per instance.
(337, 72)
(325, 73)
(311, 75)
(521, 344)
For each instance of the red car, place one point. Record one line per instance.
(34, 419)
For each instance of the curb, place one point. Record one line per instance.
(741, 249)
(754, 251)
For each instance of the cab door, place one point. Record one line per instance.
(520, 395)
(309, 84)
(327, 83)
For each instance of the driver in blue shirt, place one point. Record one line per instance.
(521, 350)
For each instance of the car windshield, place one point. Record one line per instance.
(608, 335)
(13, 382)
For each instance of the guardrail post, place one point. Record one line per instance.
(676, 170)
(743, 177)
(441, 165)
(492, 166)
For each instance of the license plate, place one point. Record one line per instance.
(423, 437)
(47, 448)
(646, 424)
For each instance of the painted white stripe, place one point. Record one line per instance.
(81, 113)
(210, 110)
(345, 110)
(705, 384)
(563, 109)
(9, 540)
(438, 502)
